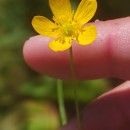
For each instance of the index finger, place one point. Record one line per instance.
(108, 56)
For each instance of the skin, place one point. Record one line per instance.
(107, 56)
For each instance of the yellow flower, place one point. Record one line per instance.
(67, 25)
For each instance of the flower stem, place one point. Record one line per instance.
(74, 85)
(60, 94)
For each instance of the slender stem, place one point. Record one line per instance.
(61, 102)
(72, 65)
(74, 85)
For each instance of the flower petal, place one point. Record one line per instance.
(85, 11)
(44, 26)
(60, 44)
(61, 9)
(87, 35)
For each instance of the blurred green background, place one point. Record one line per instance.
(28, 101)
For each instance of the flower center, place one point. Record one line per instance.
(67, 29)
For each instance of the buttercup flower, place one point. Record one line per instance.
(67, 25)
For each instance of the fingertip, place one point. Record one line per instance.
(33, 51)
(43, 60)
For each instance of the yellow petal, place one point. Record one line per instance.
(44, 26)
(87, 35)
(61, 9)
(85, 11)
(60, 44)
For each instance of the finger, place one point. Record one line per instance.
(108, 56)
(111, 111)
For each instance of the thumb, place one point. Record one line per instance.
(111, 111)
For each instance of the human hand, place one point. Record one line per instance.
(108, 56)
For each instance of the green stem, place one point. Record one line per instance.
(74, 85)
(61, 102)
